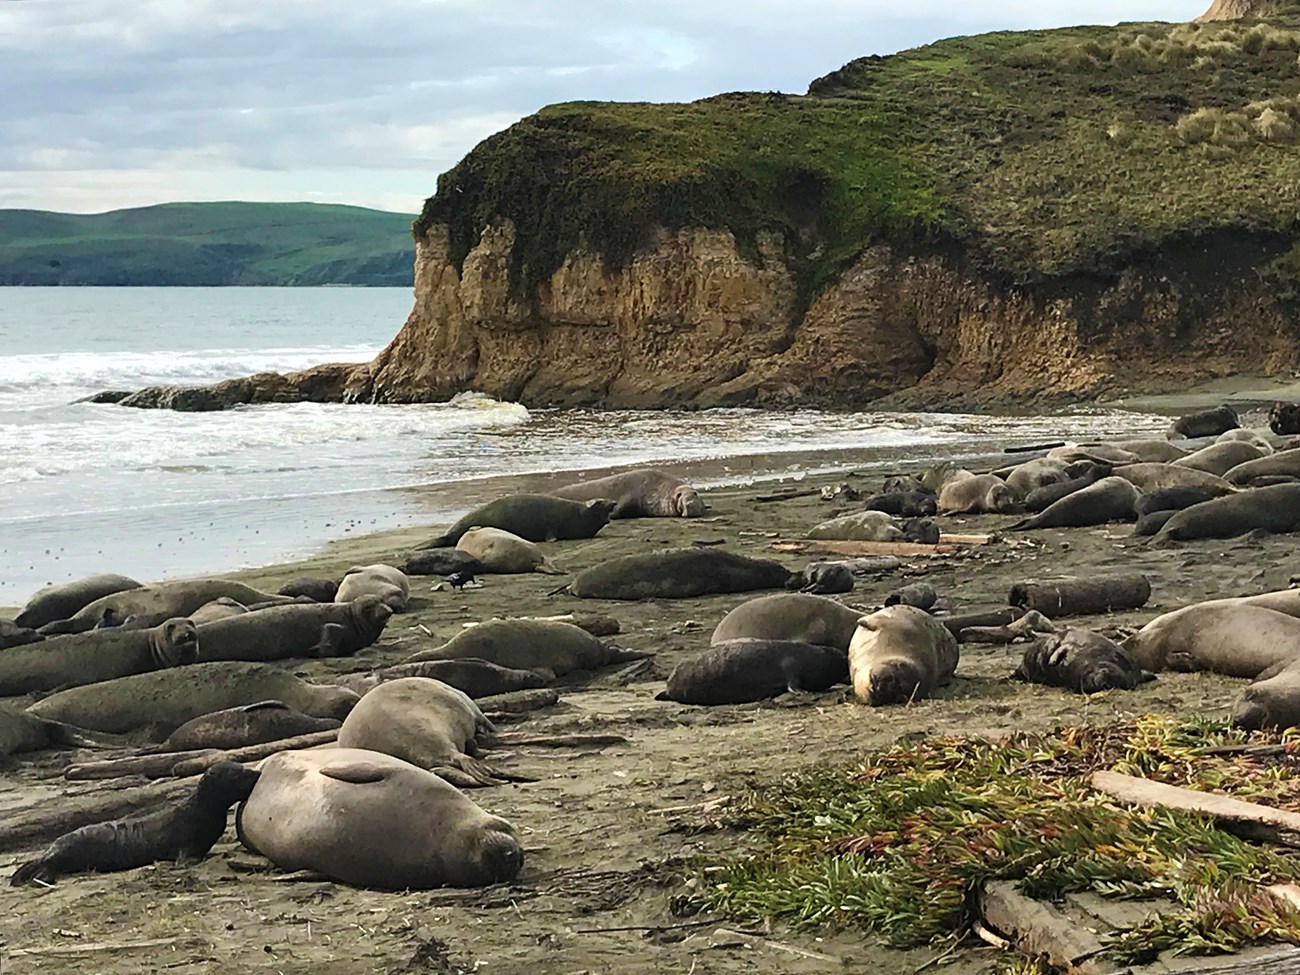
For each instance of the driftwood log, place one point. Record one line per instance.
(152, 766)
(517, 702)
(1082, 597)
(255, 753)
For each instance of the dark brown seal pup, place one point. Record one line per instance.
(185, 832)
(477, 678)
(920, 594)
(1152, 522)
(903, 504)
(1080, 661)
(534, 517)
(642, 493)
(1205, 423)
(320, 590)
(1284, 419)
(826, 578)
(751, 670)
(58, 602)
(251, 724)
(151, 605)
(13, 635)
(1110, 499)
(297, 630)
(1173, 499)
(677, 574)
(1042, 498)
(900, 654)
(85, 658)
(441, 562)
(1273, 509)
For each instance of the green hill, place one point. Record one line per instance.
(208, 244)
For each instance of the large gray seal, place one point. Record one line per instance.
(58, 602)
(1155, 477)
(501, 551)
(1110, 499)
(900, 654)
(477, 678)
(387, 582)
(1152, 451)
(1034, 474)
(1273, 509)
(976, 494)
(750, 670)
(547, 646)
(1226, 637)
(372, 820)
(800, 617)
(251, 724)
(642, 493)
(161, 701)
(296, 630)
(1081, 661)
(536, 517)
(1273, 701)
(84, 658)
(1205, 423)
(1219, 458)
(677, 574)
(1285, 463)
(151, 605)
(13, 635)
(862, 526)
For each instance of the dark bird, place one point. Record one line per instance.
(459, 580)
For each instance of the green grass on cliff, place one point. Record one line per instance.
(207, 244)
(1036, 155)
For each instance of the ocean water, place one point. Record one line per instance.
(152, 493)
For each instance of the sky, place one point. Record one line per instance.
(119, 103)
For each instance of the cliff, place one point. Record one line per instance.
(1014, 216)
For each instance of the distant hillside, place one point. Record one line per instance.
(208, 244)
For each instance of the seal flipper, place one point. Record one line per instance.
(617, 655)
(266, 706)
(546, 568)
(358, 773)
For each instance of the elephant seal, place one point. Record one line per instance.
(535, 517)
(1153, 521)
(1044, 497)
(1284, 419)
(1110, 499)
(1219, 458)
(903, 504)
(900, 654)
(161, 701)
(477, 678)
(218, 609)
(1223, 637)
(23, 732)
(320, 590)
(498, 550)
(1081, 661)
(85, 658)
(1156, 477)
(1273, 509)
(58, 602)
(151, 605)
(920, 594)
(1173, 499)
(1204, 423)
(1102, 453)
(251, 724)
(13, 635)
(1152, 451)
(979, 493)
(865, 526)
(441, 562)
(827, 578)
(790, 616)
(371, 820)
(1285, 463)
(185, 832)
(642, 493)
(1253, 437)
(921, 531)
(739, 671)
(547, 646)
(1034, 474)
(677, 574)
(297, 630)
(387, 582)
(1273, 701)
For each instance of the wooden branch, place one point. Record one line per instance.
(1032, 447)
(819, 547)
(1082, 596)
(52, 817)
(787, 495)
(515, 702)
(560, 741)
(1285, 748)
(254, 753)
(96, 946)
(1037, 929)
(153, 766)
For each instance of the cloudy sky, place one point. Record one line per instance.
(116, 103)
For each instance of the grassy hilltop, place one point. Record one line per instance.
(208, 244)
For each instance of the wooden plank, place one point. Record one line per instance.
(1259, 961)
(831, 547)
(1040, 930)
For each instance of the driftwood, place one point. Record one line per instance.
(1032, 447)
(1037, 930)
(254, 753)
(560, 741)
(904, 549)
(52, 818)
(516, 702)
(1286, 748)
(787, 495)
(1030, 626)
(98, 946)
(995, 617)
(152, 766)
(1082, 596)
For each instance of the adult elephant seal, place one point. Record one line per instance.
(85, 658)
(162, 701)
(297, 630)
(797, 617)
(642, 493)
(371, 820)
(441, 562)
(1110, 499)
(477, 678)
(677, 574)
(387, 582)
(183, 832)
(979, 493)
(151, 605)
(58, 602)
(1156, 477)
(320, 590)
(252, 724)
(1205, 423)
(864, 526)
(1273, 701)
(1173, 499)
(900, 654)
(903, 504)
(1044, 497)
(1219, 458)
(505, 552)
(1152, 451)
(739, 671)
(1081, 661)
(1253, 437)
(1223, 637)
(1272, 509)
(13, 635)
(536, 517)
(1034, 474)
(546, 646)
(1284, 463)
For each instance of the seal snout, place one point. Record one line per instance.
(892, 687)
(502, 858)
(1249, 715)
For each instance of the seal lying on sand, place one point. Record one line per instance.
(1044, 497)
(1273, 509)
(864, 526)
(13, 635)
(387, 582)
(1173, 499)
(58, 602)
(1152, 522)
(1223, 637)
(218, 609)
(1104, 453)
(1034, 474)
(151, 605)
(1152, 451)
(900, 654)
(790, 616)
(297, 630)
(822, 577)
(184, 832)
(1110, 499)
(1273, 701)
(979, 493)
(1205, 423)
(501, 551)
(903, 504)
(372, 820)
(642, 493)
(535, 517)
(164, 700)
(1219, 458)
(477, 678)
(677, 574)
(239, 727)
(84, 658)
(1081, 661)
(751, 670)
(320, 590)
(547, 646)
(1285, 463)
(1156, 477)
(441, 562)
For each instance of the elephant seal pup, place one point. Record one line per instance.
(1219, 458)
(371, 820)
(1152, 451)
(320, 590)
(1110, 499)
(535, 517)
(387, 582)
(1285, 463)
(441, 562)
(477, 678)
(1152, 522)
(1223, 637)
(184, 833)
(903, 504)
(790, 616)
(1102, 453)
(13, 635)
(678, 574)
(1081, 661)
(900, 654)
(549, 647)
(740, 671)
(1044, 497)
(1273, 701)
(251, 724)
(865, 526)
(1284, 418)
(919, 594)
(501, 551)
(85, 658)
(1275, 510)
(921, 531)
(58, 602)
(1255, 438)
(826, 578)
(151, 605)
(642, 493)
(218, 609)
(297, 630)
(979, 493)
(1173, 499)
(1156, 477)
(903, 483)
(161, 701)
(1034, 474)
(1204, 423)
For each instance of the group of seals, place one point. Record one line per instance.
(152, 605)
